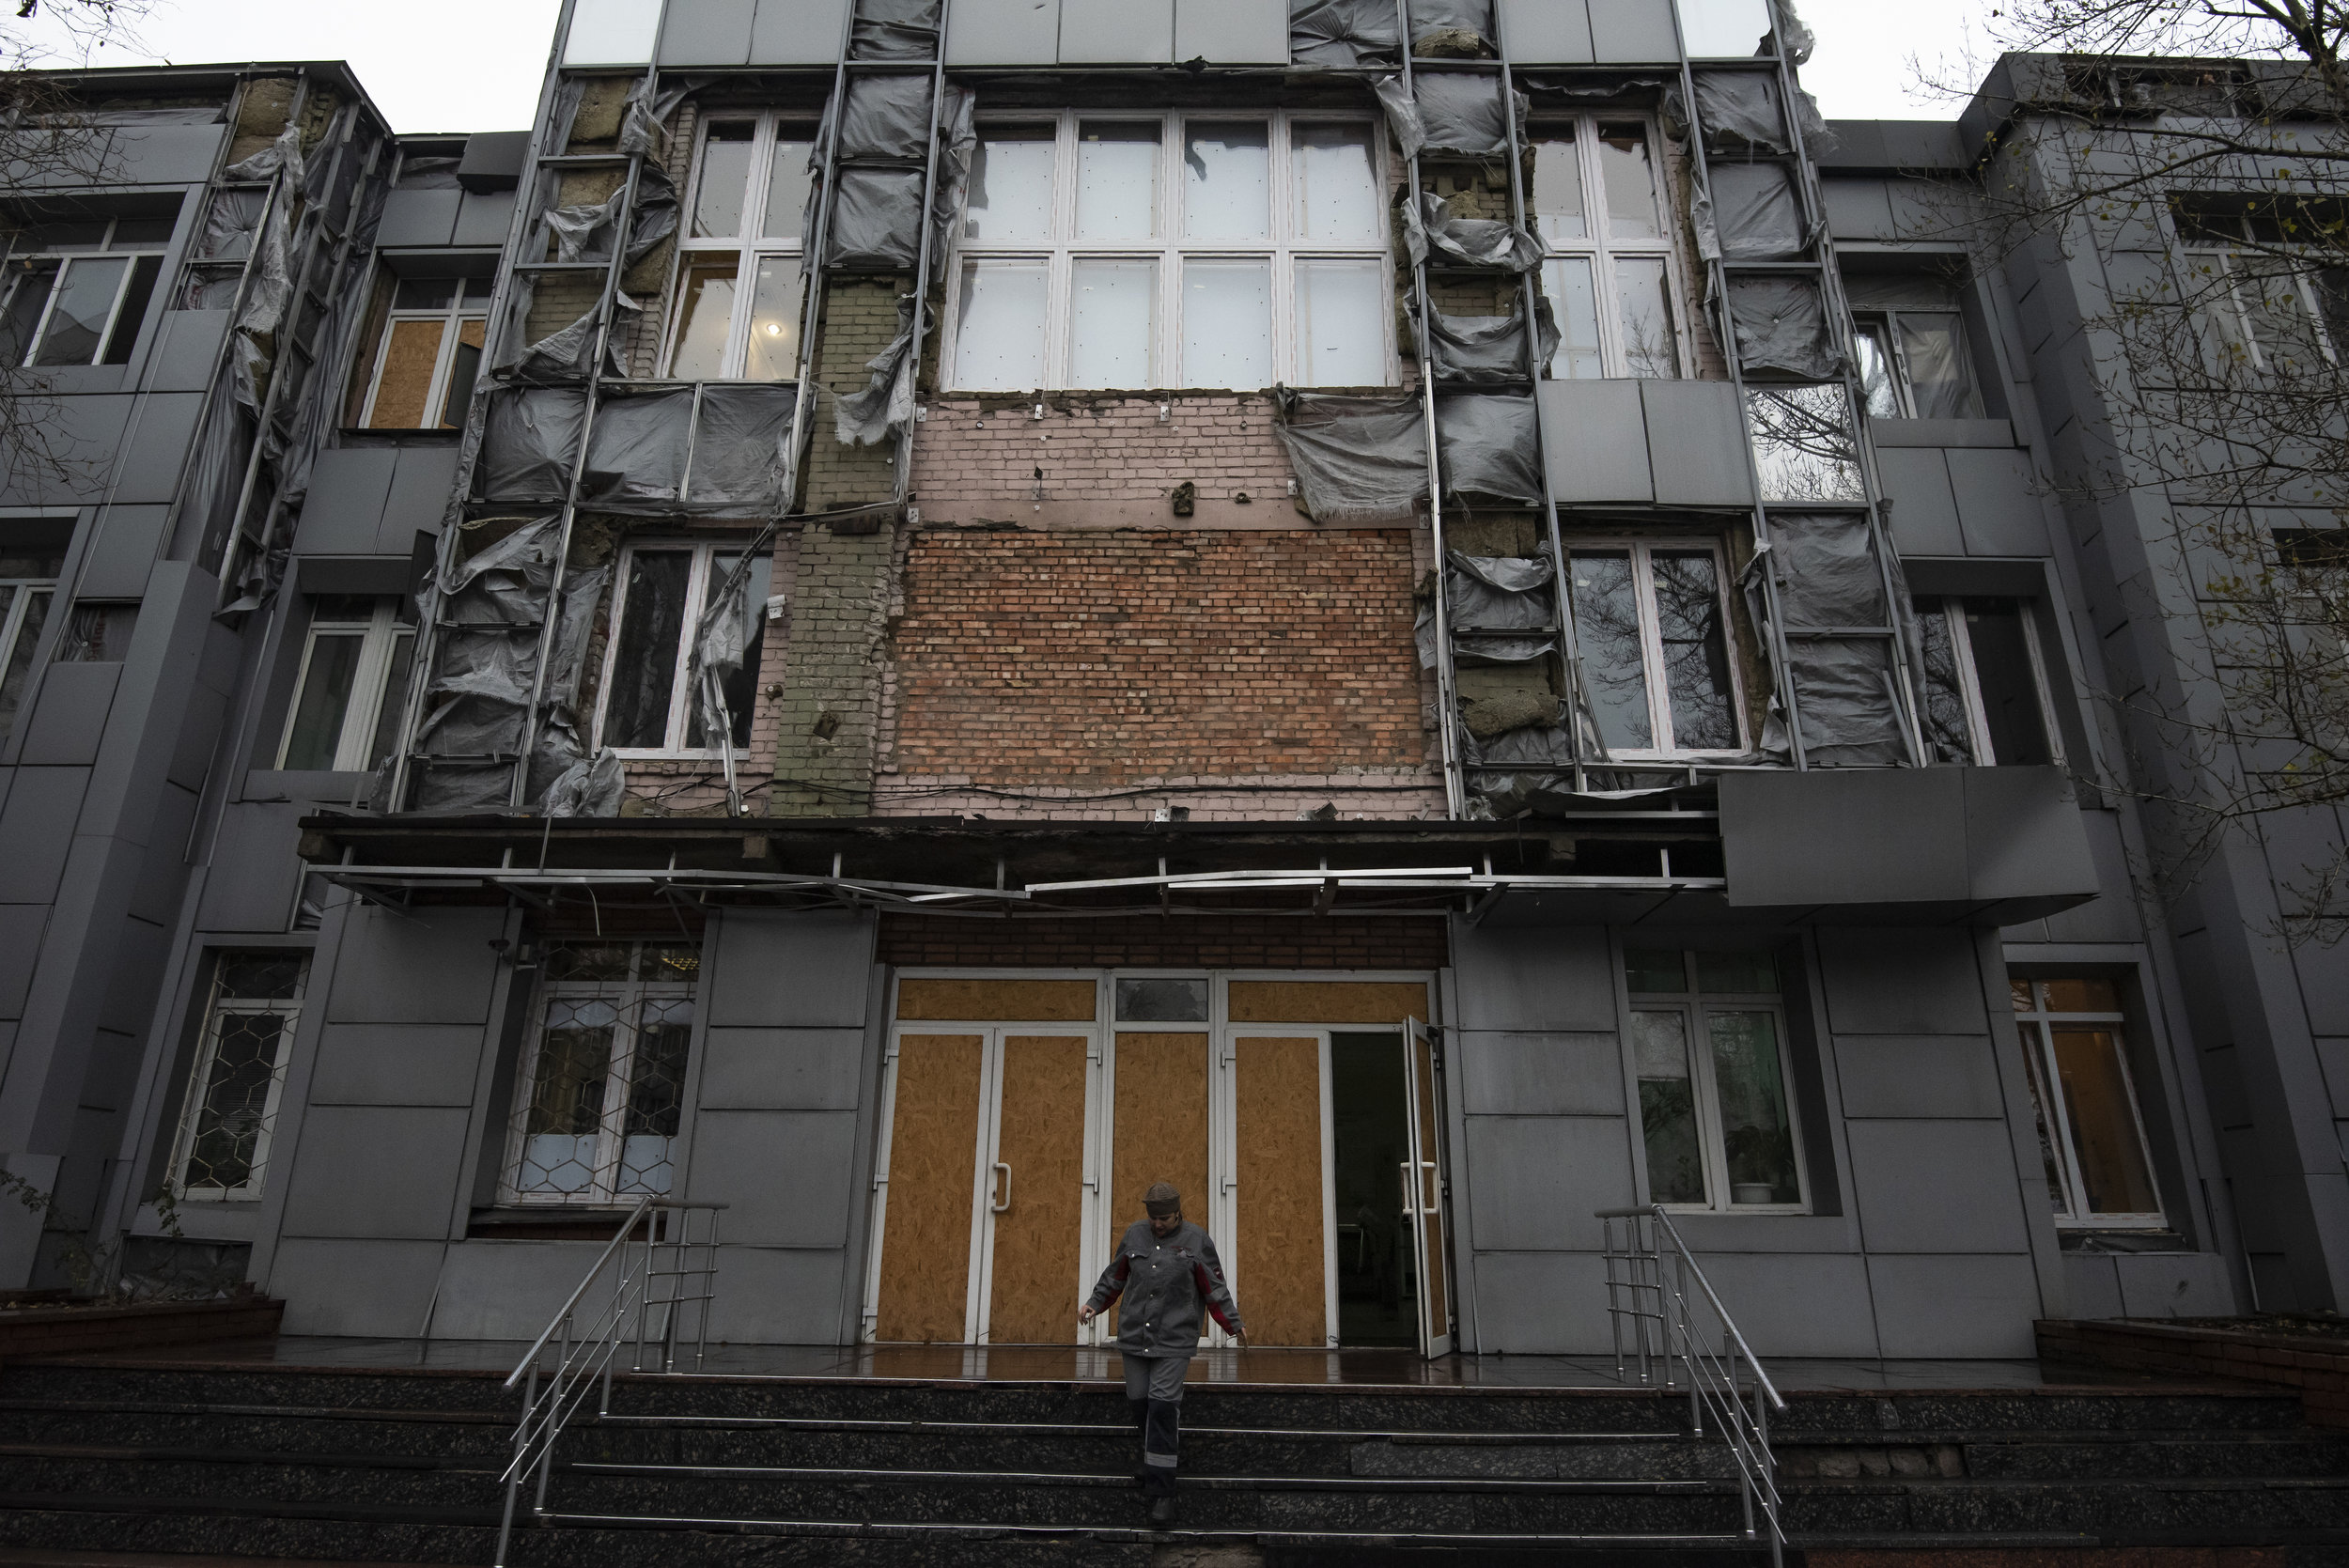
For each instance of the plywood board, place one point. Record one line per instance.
(1277, 1135)
(1041, 1136)
(933, 1146)
(1435, 1298)
(1327, 1001)
(1158, 1127)
(415, 349)
(1012, 1001)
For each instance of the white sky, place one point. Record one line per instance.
(475, 65)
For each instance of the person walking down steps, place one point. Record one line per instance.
(1166, 1269)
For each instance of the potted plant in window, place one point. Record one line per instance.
(1757, 1164)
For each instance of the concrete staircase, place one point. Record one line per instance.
(401, 1465)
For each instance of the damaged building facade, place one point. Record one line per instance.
(910, 615)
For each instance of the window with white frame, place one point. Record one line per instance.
(1599, 204)
(1911, 336)
(32, 553)
(2091, 1138)
(1185, 250)
(2265, 284)
(736, 314)
(648, 707)
(353, 683)
(430, 356)
(76, 291)
(1986, 700)
(603, 1080)
(223, 1148)
(1717, 1117)
(1651, 623)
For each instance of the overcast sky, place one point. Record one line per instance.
(475, 65)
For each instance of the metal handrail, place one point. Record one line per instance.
(653, 1282)
(1728, 1382)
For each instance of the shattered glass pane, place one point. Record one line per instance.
(1228, 192)
(1579, 357)
(1725, 29)
(1803, 444)
(1630, 180)
(1118, 183)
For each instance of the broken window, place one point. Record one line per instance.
(32, 553)
(98, 632)
(1985, 696)
(603, 1085)
(1651, 623)
(1101, 251)
(739, 289)
(428, 355)
(1708, 1041)
(222, 1151)
(1600, 207)
(352, 688)
(2091, 1138)
(648, 707)
(1912, 337)
(76, 291)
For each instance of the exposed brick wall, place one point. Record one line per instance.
(829, 710)
(860, 318)
(1088, 660)
(976, 457)
(1181, 941)
(2316, 1367)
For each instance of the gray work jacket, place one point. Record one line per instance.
(1164, 1281)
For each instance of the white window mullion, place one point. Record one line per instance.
(1652, 647)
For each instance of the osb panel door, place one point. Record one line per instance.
(1158, 1129)
(1277, 1145)
(1039, 1226)
(933, 1151)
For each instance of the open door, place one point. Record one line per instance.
(1425, 1190)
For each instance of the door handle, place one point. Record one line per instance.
(1431, 1196)
(1002, 1202)
(1411, 1187)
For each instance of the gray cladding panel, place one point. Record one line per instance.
(1521, 1303)
(1633, 32)
(1895, 980)
(2323, 986)
(1546, 32)
(419, 217)
(1795, 1303)
(2023, 833)
(422, 478)
(250, 884)
(776, 970)
(784, 1172)
(1696, 443)
(1003, 33)
(421, 967)
(425, 1064)
(186, 350)
(68, 721)
(162, 876)
(1116, 32)
(1937, 1187)
(1594, 441)
(707, 33)
(484, 218)
(163, 154)
(2179, 1284)
(779, 1296)
(344, 513)
(1997, 508)
(1538, 980)
(21, 928)
(359, 1289)
(1231, 32)
(1925, 512)
(154, 443)
(37, 830)
(2092, 1287)
(123, 553)
(376, 1171)
(781, 1069)
(509, 1290)
(1918, 1075)
(806, 32)
(1536, 1179)
(1973, 1307)
(1858, 209)
(1853, 836)
(1537, 1075)
(86, 438)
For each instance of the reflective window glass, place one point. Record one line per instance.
(1725, 29)
(1650, 346)
(326, 686)
(1654, 969)
(1757, 1131)
(725, 176)
(1607, 633)
(1803, 444)
(1157, 1001)
(1630, 180)
(1667, 1108)
(1690, 626)
(85, 304)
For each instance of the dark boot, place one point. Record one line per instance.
(1163, 1512)
(1140, 1407)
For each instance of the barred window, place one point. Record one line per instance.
(603, 1082)
(223, 1148)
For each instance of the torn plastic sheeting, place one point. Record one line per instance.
(529, 439)
(322, 398)
(1462, 110)
(503, 582)
(1487, 445)
(958, 142)
(876, 218)
(220, 457)
(1825, 565)
(1845, 702)
(725, 630)
(1491, 348)
(894, 30)
(656, 215)
(450, 789)
(1752, 213)
(1742, 108)
(1359, 461)
(229, 224)
(1429, 224)
(740, 460)
(642, 114)
(1795, 39)
(584, 232)
(1436, 22)
(1344, 34)
(1780, 323)
(592, 786)
(1500, 593)
(636, 450)
(869, 417)
(283, 153)
(888, 120)
(583, 591)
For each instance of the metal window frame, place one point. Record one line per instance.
(218, 1007)
(1952, 608)
(2038, 1024)
(1642, 549)
(453, 318)
(13, 616)
(628, 997)
(1603, 250)
(379, 653)
(1696, 1007)
(65, 260)
(1896, 352)
(2240, 329)
(1281, 250)
(747, 249)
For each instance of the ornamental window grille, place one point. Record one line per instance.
(222, 1152)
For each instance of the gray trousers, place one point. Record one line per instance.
(1154, 1390)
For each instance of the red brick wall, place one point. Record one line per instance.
(2314, 1367)
(1181, 941)
(1106, 657)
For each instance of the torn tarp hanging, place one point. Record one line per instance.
(1452, 29)
(885, 406)
(1751, 213)
(888, 118)
(530, 437)
(1455, 112)
(1344, 34)
(1359, 461)
(875, 219)
(1741, 108)
(1428, 227)
(1780, 323)
(1491, 347)
(645, 113)
(636, 451)
(1487, 445)
(284, 153)
(1849, 712)
(740, 448)
(894, 30)
(592, 786)
(1824, 566)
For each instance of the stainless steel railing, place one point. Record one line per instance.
(663, 1267)
(1657, 1295)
